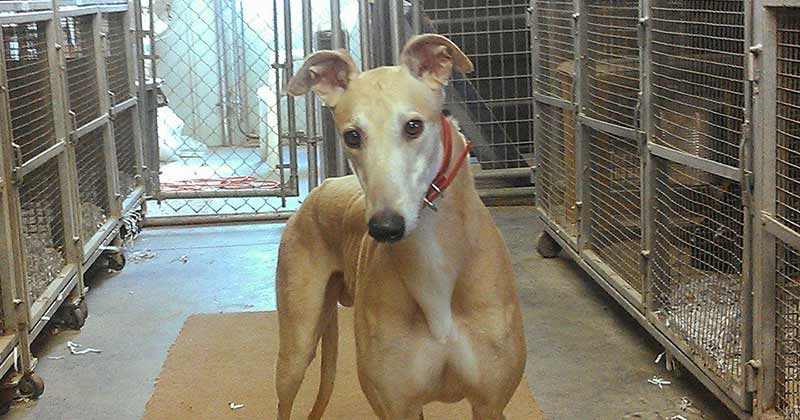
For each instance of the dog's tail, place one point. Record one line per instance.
(330, 353)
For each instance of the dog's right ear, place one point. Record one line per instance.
(327, 73)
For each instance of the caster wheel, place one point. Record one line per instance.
(116, 261)
(73, 316)
(84, 308)
(547, 246)
(31, 386)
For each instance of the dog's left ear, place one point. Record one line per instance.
(432, 58)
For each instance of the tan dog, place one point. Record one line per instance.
(437, 316)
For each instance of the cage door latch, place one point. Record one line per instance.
(751, 369)
(753, 68)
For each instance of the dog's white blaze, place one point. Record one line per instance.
(432, 287)
(395, 172)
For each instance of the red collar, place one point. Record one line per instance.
(444, 179)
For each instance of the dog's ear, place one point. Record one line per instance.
(432, 58)
(327, 73)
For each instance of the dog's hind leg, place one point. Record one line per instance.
(306, 295)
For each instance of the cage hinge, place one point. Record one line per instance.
(750, 374)
(753, 67)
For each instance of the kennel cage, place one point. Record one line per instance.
(666, 160)
(61, 208)
(493, 104)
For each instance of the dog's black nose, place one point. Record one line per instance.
(387, 226)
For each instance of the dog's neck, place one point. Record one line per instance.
(431, 258)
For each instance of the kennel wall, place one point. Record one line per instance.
(66, 84)
(667, 154)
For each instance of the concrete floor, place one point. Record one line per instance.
(588, 358)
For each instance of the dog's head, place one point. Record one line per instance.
(389, 121)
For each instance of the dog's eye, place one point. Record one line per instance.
(352, 138)
(414, 129)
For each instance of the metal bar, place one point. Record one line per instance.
(96, 242)
(416, 17)
(135, 58)
(94, 247)
(580, 97)
(279, 216)
(336, 25)
(78, 11)
(92, 125)
(124, 105)
(25, 6)
(311, 100)
(40, 159)
(561, 237)
(364, 33)
(278, 88)
(469, 20)
(537, 99)
(695, 162)
(778, 3)
(222, 71)
(628, 133)
(255, 192)
(114, 8)
(780, 231)
(647, 165)
(746, 165)
(764, 246)
(133, 200)
(291, 125)
(396, 29)
(549, 100)
(336, 43)
(27, 17)
(10, 265)
(52, 298)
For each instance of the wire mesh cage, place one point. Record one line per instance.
(29, 90)
(698, 76)
(115, 26)
(616, 226)
(787, 164)
(79, 51)
(497, 94)
(613, 60)
(93, 190)
(553, 32)
(698, 251)
(556, 189)
(787, 194)
(126, 151)
(42, 227)
(787, 360)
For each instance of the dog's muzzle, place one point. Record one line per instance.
(387, 226)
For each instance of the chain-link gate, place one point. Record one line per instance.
(231, 143)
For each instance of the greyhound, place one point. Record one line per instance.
(406, 241)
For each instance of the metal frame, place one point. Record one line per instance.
(24, 318)
(652, 157)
